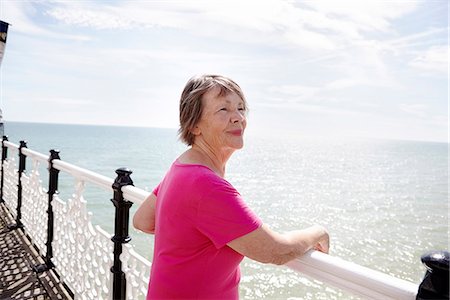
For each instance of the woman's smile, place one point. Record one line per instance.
(236, 132)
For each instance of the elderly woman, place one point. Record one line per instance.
(202, 226)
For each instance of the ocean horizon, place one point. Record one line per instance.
(250, 130)
(385, 202)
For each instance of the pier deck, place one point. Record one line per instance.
(18, 280)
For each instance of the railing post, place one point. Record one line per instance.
(52, 190)
(120, 231)
(435, 284)
(22, 167)
(4, 155)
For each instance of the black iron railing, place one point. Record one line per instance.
(122, 208)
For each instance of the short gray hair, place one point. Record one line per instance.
(191, 106)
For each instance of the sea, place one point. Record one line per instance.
(384, 202)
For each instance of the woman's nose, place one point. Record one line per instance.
(238, 116)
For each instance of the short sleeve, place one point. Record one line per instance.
(223, 215)
(156, 190)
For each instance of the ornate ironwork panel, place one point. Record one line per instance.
(34, 207)
(136, 269)
(83, 254)
(11, 178)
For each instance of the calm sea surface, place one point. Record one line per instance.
(384, 202)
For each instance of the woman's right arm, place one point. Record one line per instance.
(144, 218)
(267, 246)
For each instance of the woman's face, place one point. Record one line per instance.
(223, 121)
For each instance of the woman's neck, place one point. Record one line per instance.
(202, 154)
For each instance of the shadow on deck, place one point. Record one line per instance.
(18, 280)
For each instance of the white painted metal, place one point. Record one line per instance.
(83, 174)
(34, 206)
(11, 145)
(354, 278)
(136, 269)
(83, 254)
(134, 194)
(10, 172)
(35, 155)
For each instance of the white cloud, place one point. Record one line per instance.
(433, 59)
(66, 101)
(417, 110)
(342, 84)
(298, 91)
(302, 93)
(320, 25)
(20, 15)
(369, 15)
(90, 18)
(55, 101)
(309, 40)
(16, 13)
(427, 37)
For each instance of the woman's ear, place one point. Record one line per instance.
(195, 130)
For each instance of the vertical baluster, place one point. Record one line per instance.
(4, 155)
(120, 231)
(22, 167)
(53, 175)
(52, 190)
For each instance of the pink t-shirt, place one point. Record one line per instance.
(197, 214)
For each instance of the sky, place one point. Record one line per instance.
(371, 69)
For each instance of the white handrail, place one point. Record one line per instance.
(83, 174)
(131, 193)
(134, 194)
(11, 145)
(354, 278)
(36, 155)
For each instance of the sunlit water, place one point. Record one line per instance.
(385, 203)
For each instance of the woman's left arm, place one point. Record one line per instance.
(267, 246)
(144, 218)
